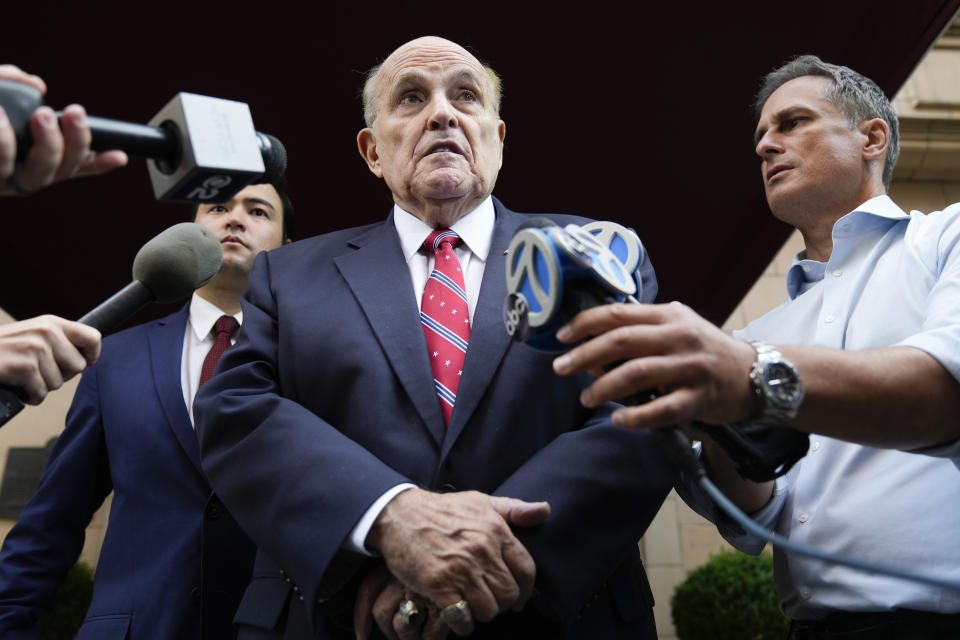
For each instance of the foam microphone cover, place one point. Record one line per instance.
(177, 261)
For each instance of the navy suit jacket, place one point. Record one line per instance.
(327, 400)
(173, 563)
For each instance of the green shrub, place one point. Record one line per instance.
(731, 597)
(69, 605)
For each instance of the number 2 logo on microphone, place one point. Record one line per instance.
(210, 188)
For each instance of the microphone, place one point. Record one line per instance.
(200, 149)
(553, 274)
(168, 268)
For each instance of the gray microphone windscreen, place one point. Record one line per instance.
(177, 261)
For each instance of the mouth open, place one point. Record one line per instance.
(444, 147)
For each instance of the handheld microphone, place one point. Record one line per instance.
(200, 149)
(553, 273)
(550, 279)
(168, 268)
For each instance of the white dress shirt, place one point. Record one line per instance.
(892, 279)
(475, 230)
(197, 341)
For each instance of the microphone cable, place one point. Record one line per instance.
(680, 451)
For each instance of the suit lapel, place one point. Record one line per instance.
(380, 280)
(488, 337)
(166, 352)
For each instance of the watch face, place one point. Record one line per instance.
(782, 382)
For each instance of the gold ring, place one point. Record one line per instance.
(409, 614)
(455, 612)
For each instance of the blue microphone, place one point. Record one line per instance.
(555, 272)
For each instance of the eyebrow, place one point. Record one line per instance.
(408, 77)
(266, 203)
(778, 117)
(417, 77)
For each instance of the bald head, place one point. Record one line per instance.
(423, 44)
(434, 134)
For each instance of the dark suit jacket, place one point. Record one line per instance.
(173, 563)
(327, 400)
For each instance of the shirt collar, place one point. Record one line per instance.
(475, 230)
(804, 273)
(204, 314)
(879, 206)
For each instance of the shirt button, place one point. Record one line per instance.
(803, 518)
(815, 446)
(829, 319)
(806, 268)
(805, 593)
(837, 273)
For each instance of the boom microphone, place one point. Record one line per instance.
(201, 149)
(168, 268)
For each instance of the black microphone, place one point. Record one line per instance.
(168, 268)
(201, 149)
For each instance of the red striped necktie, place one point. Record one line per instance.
(445, 317)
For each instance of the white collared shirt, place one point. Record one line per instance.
(892, 279)
(197, 341)
(475, 230)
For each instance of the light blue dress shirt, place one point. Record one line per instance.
(892, 279)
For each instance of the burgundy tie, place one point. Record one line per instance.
(445, 318)
(224, 328)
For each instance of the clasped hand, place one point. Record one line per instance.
(442, 548)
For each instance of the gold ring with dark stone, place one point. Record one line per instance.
(409, 614)
(455, 612)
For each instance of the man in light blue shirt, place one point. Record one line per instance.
(872, 329)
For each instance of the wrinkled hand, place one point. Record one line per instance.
(379, 599)
(38, 355)
(456, 546)
(700, 372)
(59, 151)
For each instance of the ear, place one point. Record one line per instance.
(877, 136)
(367, 144)
(502, 133)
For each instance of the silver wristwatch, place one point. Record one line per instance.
(776, 385)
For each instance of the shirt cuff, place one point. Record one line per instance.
(356, 542)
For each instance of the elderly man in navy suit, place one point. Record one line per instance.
(174, 562)
(377, 433)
